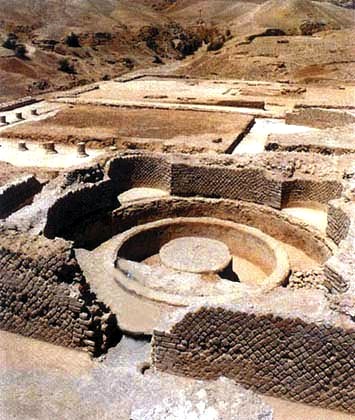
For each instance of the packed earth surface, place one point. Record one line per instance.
(177, 210)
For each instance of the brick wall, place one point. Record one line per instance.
(78, 204)
(282, 356)
(16, 194)
(338, 223)
(140, 171)
(309, 190)
(217, 181)
(44, 295)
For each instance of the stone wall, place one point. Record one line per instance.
(18, 103)
(17, 194)
(284, 356)
(44, 295)
(268, 220)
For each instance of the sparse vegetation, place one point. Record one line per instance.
(20, 51)
(66, 66)
(10, 42)
(72, 40)
(216, 44)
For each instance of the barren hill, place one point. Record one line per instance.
(293, 16)
(297, 40)
(116, 36)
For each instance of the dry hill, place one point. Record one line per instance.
(116, 36)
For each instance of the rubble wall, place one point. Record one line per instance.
(44, 295)
(319, 118)
(285, 357)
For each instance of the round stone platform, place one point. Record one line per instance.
(195, 254)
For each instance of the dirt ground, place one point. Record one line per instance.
(9, 173)
(278, 97)
(39, 380)
(150, 129)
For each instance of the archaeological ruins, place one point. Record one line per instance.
(171, 242)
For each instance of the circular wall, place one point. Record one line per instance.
(140, 244)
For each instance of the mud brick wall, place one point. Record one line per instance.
(16, 194)
(312, 279)
(308, 190)
(335, 280)
(338, 223)
(44, 295)
(238, 184)
(140, 171)
(283, 357)
(77, 205)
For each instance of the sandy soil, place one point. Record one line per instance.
(326, 58)
(36, 157)
(217, 89)
(9, 173)
(137, 194)
(40, 380)
(313, 215)
(255, 140)
(22, 353)
(287, 410)
(131, 128)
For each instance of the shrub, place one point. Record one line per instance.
(72, 40)
(10, 42)
(216, 44)
(66, 66)
(20, 51)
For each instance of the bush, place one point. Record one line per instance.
(72, 40)
(216, 44)
(10, 42)
(66, 66)
(20, 51)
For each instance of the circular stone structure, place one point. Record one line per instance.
(195, 254)
(141, 243)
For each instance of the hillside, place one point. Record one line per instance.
(117, 36)
(114, 36)
(296, 40)
(292, 17)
